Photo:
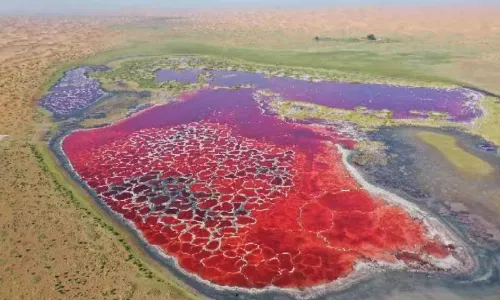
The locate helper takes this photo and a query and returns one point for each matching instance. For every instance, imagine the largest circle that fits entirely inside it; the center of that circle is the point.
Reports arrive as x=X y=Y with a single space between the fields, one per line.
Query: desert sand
x=50 y=249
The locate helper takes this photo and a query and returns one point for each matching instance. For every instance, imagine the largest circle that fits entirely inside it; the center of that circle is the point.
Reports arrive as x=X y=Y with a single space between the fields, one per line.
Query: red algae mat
x=244 y=199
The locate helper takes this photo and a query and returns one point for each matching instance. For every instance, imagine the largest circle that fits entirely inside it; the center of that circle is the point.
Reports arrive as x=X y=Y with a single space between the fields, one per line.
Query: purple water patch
x=234 y=78
x=459 y=104
x=184 y=76
x=74 y=92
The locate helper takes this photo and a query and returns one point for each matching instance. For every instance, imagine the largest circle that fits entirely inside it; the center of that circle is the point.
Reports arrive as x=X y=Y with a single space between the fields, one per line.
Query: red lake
x=242 y=198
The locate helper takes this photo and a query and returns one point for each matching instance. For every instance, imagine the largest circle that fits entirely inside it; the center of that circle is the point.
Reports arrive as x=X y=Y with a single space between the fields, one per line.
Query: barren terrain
x=51 y=248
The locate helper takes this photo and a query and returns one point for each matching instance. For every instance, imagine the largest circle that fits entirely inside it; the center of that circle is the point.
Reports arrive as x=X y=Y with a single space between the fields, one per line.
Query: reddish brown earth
x=244 y=199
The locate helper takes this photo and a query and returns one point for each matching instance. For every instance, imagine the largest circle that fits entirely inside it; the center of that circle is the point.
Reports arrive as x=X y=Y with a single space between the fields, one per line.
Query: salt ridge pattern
x=244 y=199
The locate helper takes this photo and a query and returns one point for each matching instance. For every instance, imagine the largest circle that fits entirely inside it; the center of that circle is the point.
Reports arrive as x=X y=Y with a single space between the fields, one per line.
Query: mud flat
x=467 y=202
x=421 y=171
x=464 y=264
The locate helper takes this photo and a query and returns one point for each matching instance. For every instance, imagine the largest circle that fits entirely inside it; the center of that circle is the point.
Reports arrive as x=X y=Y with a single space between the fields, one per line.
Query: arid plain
x=49 y=248
x=56 y=245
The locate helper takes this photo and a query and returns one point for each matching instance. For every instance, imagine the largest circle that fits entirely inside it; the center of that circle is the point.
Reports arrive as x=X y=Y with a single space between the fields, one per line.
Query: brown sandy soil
x=48 y=248
x=439 y=25
x=30 y=49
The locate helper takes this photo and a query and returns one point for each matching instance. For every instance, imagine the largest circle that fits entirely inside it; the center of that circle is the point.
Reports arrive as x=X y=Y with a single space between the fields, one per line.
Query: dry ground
x=438 y=25
x=49 y=249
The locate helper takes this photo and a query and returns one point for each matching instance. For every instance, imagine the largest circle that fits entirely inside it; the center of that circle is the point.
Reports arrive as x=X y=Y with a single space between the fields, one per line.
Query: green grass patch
x=488 y=126
x=395 y=65
x=366 y=120
x=458 y=157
